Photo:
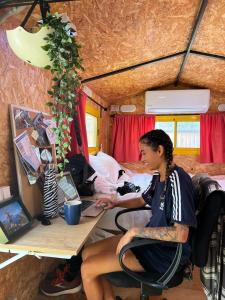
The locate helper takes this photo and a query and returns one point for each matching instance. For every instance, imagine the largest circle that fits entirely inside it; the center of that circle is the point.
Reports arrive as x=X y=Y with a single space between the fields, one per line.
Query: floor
x=188 y=290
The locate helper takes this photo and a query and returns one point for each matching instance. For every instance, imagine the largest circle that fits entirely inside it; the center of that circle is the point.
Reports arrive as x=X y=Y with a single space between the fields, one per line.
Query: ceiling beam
x=198 y=20
x=133 y=67
x=35 y=2
x=93 y=100
x=208 y=55
x=13 y=3
x=191 y=52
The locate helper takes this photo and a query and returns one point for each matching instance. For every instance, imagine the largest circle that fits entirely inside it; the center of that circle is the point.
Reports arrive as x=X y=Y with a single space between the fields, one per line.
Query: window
x=184 y=132
x=92 y=127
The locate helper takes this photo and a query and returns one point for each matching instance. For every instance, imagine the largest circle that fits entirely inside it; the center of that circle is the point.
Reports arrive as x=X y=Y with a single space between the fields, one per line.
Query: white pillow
x=106 y=166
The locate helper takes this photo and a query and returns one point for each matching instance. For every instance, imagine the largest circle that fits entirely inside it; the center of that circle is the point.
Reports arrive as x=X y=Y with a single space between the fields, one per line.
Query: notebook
x=67 y=191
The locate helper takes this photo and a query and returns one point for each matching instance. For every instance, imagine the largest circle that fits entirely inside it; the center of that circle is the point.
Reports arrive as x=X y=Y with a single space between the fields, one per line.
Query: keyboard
x=89 y=209
x=85 y=204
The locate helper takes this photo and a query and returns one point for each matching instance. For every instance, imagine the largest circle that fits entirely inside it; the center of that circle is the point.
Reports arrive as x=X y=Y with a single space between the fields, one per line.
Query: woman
x=171 y=200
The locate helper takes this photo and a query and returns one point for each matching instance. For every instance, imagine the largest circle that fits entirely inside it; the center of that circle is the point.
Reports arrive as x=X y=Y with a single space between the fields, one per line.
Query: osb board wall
x=117 y=34
x=20 y=280
x=132 y=82
x=25 y=85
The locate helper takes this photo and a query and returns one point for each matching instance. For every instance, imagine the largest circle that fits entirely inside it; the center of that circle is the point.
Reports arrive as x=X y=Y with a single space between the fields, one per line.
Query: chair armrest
x=127 y=210
x=162 y=281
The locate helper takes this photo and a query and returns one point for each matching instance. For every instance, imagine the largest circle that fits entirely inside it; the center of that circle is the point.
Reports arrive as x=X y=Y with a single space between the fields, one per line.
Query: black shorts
x=153 y=258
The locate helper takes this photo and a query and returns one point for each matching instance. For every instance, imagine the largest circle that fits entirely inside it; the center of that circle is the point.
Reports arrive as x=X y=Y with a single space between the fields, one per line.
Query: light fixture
x=27 y=46
x=221 y=107
x=128 y=108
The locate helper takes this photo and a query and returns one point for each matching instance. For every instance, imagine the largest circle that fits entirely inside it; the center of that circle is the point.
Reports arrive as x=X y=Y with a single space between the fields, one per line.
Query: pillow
x=104 y=186
x=106 y=166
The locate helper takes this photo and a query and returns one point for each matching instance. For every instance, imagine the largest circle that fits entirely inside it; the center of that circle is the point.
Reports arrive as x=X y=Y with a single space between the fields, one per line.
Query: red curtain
x=212 y=138
x=126 y=133
x=81 y=110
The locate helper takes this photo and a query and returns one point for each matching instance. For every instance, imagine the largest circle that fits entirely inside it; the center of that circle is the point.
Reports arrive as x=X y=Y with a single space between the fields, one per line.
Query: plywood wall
x=25 y=85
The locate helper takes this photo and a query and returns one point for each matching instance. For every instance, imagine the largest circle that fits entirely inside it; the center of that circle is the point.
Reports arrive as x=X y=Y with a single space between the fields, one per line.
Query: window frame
x=93 y=111
x=180 y=118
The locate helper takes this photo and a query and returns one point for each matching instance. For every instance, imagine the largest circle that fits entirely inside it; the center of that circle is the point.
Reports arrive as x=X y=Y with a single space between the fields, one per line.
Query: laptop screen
x=66 y=188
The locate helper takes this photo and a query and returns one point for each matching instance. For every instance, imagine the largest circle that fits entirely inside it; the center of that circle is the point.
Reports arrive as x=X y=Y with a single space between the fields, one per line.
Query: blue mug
x=72 y=212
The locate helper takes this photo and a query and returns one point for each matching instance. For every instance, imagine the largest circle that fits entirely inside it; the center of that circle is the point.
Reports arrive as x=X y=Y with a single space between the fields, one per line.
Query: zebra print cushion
x=50 y=199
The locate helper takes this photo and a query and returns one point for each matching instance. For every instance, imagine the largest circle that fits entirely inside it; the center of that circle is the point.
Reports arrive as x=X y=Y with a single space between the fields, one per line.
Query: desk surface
x=56 y=240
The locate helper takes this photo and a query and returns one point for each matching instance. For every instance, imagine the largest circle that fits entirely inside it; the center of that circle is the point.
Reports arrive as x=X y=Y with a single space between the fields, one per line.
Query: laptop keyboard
x=85 y=204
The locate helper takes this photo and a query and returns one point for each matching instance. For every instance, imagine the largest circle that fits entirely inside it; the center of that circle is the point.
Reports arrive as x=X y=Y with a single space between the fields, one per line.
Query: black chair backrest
x=211 y=199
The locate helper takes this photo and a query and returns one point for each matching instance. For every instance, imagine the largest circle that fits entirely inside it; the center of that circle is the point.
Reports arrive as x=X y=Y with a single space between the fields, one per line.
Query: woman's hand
x=107 y=203
x=125 y=239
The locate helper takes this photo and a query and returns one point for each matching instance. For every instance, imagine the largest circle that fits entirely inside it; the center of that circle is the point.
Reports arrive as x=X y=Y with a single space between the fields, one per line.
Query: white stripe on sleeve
x=176 y=196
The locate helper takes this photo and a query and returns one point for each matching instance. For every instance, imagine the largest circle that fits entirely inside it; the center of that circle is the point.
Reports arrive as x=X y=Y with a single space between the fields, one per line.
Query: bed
x=106 y=184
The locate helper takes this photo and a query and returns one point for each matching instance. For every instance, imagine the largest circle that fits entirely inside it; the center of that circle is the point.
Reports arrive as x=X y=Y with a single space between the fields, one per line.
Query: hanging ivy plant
x=62 y=48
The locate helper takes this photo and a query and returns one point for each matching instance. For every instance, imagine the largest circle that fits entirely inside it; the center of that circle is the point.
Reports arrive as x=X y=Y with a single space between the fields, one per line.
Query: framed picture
x=14 y=219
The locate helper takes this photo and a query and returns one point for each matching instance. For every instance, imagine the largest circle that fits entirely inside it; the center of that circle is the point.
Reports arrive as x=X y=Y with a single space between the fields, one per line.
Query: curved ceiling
x=124 y=43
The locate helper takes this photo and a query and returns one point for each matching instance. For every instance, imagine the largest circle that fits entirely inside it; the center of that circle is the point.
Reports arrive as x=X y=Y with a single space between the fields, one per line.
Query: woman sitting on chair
x=173 y=212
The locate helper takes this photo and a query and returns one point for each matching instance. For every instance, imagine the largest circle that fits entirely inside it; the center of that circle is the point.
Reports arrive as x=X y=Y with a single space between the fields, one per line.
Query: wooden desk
x=56 y=240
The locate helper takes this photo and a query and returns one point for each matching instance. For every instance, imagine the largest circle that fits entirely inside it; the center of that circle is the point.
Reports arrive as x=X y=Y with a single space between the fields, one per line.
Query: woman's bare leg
x=100 y=246
x=97 y=248
x=103 y=262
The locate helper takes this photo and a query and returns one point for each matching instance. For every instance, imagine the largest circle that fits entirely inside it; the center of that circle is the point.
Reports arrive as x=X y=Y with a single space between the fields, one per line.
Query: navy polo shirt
x=177 y=207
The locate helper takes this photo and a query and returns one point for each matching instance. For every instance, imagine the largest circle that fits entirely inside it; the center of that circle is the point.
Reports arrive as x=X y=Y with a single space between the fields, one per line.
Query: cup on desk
x=72 y=211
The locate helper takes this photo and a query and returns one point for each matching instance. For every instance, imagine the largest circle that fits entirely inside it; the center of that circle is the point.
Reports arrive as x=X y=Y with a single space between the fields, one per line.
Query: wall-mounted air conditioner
x=177 y=101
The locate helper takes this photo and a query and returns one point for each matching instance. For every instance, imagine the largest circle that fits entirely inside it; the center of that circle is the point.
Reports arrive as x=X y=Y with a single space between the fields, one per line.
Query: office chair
x=210 y=203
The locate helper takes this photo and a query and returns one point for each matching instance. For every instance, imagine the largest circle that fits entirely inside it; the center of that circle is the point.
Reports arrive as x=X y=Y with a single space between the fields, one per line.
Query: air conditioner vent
x=177 y=101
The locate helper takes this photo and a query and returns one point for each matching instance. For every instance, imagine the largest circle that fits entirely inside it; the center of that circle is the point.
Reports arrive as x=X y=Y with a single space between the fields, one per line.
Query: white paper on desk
x=26 y=150
x=49 y=130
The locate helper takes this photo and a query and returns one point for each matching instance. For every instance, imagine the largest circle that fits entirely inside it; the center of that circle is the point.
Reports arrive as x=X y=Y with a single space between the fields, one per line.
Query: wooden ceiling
x=119 y=34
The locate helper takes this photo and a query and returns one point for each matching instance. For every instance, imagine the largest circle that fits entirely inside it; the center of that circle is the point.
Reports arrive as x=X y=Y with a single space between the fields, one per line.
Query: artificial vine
x=62 y=49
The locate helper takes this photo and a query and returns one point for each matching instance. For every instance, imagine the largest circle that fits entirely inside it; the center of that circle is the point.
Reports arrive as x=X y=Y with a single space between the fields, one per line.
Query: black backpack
x=81 y=171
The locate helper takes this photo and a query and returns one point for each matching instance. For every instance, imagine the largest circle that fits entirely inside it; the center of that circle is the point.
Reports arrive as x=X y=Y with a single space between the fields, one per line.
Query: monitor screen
x=66 y=188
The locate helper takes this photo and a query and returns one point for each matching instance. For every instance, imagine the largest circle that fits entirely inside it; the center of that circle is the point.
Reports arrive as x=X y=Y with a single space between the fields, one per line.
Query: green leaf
x=65 y=145
x=60 y=165
x=47 y=67
x=45 y=47
x=49 y=104
x=65 y=62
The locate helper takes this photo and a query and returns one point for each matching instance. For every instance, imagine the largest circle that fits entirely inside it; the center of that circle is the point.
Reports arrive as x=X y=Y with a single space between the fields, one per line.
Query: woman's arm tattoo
x=172 y=233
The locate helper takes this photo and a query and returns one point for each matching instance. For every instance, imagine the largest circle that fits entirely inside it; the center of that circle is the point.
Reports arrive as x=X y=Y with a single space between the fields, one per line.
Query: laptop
x=67 y=191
